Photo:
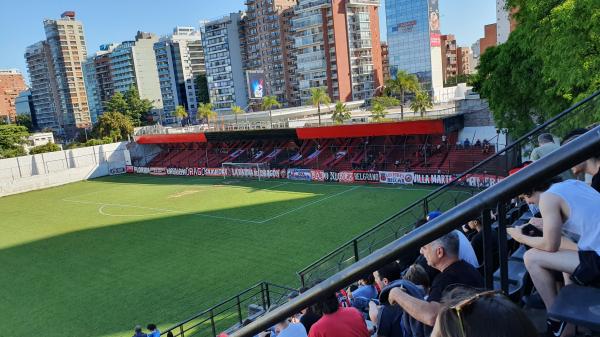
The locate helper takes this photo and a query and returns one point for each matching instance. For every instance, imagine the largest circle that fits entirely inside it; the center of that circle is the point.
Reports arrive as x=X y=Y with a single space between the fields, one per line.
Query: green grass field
x=97 y=257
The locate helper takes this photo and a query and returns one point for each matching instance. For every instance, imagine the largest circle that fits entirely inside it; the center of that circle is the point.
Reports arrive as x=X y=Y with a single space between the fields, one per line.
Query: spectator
x=486 y=314
x=547 y=145
x=287 y=329
x=309 y=315
x=478 y=143
x=569 y=207
x=466 y=143
x=590 y=166
x=477 y=242
x=170 y=334
x=486 y=146
x=154 y=332
x=366 y=288
x=338 y=321
x=138 y=332
x=445 y=140
x=441 y=254
x=417 y=275
x=466 y=252
x=387 y=318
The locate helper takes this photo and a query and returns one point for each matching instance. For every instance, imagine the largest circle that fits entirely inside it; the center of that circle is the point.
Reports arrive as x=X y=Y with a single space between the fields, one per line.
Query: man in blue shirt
x=138 y=332
x=154 y=332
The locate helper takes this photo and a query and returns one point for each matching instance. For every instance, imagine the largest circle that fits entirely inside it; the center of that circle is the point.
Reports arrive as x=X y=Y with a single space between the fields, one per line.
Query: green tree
x=139 y=109
x=549 y=62
x=319 y=96
x=25 y=120
x=402 y=84
x=114 y=125
x=202 y=89
x=49 y=147
x=340 y=113
x=117 y=103
x=205 y=111
x=455 y=80
x=378 y=112
x=268 y=103
x=12 y=138
x=180 y=113
x=421 y=102
x=236 y=110
x=386 y=101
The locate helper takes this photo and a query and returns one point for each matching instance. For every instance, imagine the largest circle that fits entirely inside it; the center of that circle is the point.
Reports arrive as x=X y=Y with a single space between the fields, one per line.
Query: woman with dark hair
x=485 y=314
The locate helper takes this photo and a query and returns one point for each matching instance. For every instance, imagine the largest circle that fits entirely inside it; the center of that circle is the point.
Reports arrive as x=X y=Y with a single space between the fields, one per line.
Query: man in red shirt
x=338 y=322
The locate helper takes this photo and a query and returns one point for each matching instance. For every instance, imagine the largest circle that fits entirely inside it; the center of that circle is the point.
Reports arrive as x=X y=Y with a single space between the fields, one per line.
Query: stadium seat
x=578 y=305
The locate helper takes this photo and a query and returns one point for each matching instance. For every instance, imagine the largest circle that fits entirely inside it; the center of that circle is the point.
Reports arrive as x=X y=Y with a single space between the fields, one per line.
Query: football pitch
x=97 y=257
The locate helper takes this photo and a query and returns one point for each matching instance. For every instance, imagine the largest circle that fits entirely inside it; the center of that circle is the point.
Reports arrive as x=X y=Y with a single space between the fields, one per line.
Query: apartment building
x=11 y=85
x=449 y=57
x=98 y=80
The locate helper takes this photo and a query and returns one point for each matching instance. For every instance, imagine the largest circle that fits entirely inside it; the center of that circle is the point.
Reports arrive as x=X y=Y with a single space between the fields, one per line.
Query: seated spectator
x=309 y=315
x=569 y=207
x=386 y=318
x=590 y=166
x=417 y=275
x=441 y=254
x=547 y=145
x=138 y=332
x=477 y=242
x=467 y=143
x=486 y=146
x=486 y=314
x=338 y=321
x=366 y=288
x=478 y=143
x=287 y=329
x=466 y=252
x=154 y=332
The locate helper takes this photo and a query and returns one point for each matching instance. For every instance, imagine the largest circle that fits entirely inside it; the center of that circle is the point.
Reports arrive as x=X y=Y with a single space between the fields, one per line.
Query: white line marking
x=272 y=187
x=184 y=212
x=309 y=204
x=101 y=211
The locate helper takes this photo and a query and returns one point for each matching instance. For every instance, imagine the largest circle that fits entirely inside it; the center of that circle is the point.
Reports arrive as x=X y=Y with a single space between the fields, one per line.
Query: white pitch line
x=163 y=210
x=101 y=211
x=272 y=187
x=309 y=204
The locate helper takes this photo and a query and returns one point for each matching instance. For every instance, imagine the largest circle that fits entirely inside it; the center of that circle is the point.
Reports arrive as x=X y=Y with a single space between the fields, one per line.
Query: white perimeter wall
x=44 y=170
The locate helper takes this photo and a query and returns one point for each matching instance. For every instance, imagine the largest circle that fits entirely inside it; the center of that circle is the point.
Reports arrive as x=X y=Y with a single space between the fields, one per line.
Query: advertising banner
x=346 y=177
x=116 y=170
x=433 y=179
x=299 y=174
x=434 y=23
x=366 y=176
x=158 y=171
x=172 y=171
x=256 y=84
x=317 y=175
x=141 y=170
x=331 y=176
x=128 y=168
x=480 y=180
x=214 y=172
x=402 y=178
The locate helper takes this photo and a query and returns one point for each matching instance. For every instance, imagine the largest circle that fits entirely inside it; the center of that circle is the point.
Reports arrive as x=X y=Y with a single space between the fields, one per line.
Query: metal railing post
x=355 y=246
x=181 y=333
x=212 y=324
x=239 y=307
x=488 y=268
x=502 y=246
x=268 y=295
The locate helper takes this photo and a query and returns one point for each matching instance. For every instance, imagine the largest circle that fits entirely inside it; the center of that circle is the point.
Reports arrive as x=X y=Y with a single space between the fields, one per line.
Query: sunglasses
x=460 y=306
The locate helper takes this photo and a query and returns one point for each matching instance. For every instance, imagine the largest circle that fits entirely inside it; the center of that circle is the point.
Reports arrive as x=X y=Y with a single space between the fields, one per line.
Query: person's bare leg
x=540 y=265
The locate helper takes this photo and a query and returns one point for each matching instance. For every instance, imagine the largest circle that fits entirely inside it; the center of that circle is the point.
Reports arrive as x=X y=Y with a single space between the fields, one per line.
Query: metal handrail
x=262 y=286
x=556 y=162
x=434 y=193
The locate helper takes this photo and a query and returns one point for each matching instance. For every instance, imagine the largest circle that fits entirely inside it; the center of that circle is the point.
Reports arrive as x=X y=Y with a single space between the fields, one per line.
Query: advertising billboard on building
x=434 y=23
x=257 y=84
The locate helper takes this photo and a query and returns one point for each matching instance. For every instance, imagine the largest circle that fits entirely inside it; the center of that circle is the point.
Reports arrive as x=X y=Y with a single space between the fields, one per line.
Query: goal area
x=245 y=170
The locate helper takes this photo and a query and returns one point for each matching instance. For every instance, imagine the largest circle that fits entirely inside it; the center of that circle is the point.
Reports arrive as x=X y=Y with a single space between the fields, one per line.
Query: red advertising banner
x=158 y=171
x=346 y=177
x=317 y=175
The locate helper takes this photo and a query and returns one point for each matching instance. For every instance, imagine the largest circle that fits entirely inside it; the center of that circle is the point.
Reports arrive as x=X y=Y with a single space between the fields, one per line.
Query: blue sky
x=115 y=21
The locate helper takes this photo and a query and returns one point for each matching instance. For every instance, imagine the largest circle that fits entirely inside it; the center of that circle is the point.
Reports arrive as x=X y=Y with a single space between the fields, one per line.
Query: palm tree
x=236 y=110
x=180 y=113
x=340 y=113
x=378 y=111
x=421 y=102
x=319 y=96
x=268 y=103
x=403 y=83
x=205 y=110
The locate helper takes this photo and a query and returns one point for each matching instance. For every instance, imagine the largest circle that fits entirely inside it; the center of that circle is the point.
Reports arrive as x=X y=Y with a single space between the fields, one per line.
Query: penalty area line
x=309 y=204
